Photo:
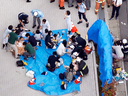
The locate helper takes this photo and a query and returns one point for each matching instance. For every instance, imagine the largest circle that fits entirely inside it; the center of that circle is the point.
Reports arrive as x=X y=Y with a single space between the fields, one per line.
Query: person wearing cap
x=82 y=11
x=82 y=67
x=125 y=47
x=37 y=14
x=23 y=18
x=81 y=53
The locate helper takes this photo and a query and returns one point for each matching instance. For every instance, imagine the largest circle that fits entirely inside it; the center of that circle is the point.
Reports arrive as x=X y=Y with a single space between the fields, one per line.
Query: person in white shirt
x=44 y=25
x=5 y=40
x=118 y=52
x=61 y=50
x=116 y=7
x=82 y=11
x=68 y=21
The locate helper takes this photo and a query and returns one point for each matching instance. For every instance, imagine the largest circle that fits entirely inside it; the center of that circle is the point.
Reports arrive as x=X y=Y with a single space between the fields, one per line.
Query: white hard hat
x=75 y=54
x=124 y=41
x=78 y=59
x=35 y=13
x=72 y=47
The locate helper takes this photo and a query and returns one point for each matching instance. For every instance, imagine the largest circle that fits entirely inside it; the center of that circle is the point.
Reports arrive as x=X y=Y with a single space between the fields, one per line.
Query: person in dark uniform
x=82 y=68
x=48 y=41
x=80 y=41
x=51 y=62
x=23 y=18
x=31 y=40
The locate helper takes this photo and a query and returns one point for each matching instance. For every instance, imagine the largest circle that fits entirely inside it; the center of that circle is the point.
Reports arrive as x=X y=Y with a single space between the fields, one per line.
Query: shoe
x=102 y=8
x=26 y=59
x=33 y=57
x=76 y=7
x=70 y=6
x=108 y=6
x=87 y=24
x=110 y=18
x=38 y=27
x=44 y=73
x=79 y=22
x=62 y=8
x=28 y=1
x=17 y=57
x=34 y=26
x=52 y=1
x=59 y=5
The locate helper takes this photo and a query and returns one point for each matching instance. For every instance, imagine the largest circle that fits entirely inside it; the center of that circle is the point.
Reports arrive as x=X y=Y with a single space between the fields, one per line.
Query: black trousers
x=115 y=9
x=84 y=16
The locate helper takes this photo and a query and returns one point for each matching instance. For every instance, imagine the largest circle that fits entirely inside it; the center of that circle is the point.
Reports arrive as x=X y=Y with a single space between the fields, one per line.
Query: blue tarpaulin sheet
x=50 y=83
x=100 y=34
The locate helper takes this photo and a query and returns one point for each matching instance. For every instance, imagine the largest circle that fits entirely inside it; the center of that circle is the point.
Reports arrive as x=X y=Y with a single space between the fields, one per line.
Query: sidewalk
x=114 y=27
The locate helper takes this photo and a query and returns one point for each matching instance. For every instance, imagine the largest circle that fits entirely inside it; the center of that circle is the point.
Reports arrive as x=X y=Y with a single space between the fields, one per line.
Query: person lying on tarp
x=53 y=62
x=80 y=51
x=82 y=67
x=48 y=41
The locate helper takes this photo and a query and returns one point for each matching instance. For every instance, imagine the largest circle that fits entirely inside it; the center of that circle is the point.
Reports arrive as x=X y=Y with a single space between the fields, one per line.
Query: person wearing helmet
x=125 y=47
x=37 y=14
x=82 y=67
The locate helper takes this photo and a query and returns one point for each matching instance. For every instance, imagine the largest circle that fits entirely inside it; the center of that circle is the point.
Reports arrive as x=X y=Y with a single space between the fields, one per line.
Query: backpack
x=19 y=63
x=69 y=75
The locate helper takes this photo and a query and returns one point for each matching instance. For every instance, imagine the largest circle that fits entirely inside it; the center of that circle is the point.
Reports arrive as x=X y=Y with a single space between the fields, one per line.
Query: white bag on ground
x=30 y=74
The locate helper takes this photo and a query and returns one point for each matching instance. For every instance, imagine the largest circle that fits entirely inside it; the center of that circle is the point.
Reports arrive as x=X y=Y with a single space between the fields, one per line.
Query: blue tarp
x=100 y=34
x=50 y=83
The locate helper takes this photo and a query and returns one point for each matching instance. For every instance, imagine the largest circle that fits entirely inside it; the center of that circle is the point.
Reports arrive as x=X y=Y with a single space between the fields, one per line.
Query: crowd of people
x=20 y=41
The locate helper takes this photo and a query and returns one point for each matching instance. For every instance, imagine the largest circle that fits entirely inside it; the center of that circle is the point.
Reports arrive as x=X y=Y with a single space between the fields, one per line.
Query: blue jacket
x=40 y=14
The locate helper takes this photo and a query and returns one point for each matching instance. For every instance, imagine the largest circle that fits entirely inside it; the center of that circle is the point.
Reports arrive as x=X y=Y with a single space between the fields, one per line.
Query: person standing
x=109 y=3
x=5 y=40
x=23 y=18
x=98 y=2
x=82 y=11
x=116 y=7
x=70 y=3
x=37 y=14
x=12 y=42
x=61 y=4
x=68 y=21
x=44 y=25
x=88 y=4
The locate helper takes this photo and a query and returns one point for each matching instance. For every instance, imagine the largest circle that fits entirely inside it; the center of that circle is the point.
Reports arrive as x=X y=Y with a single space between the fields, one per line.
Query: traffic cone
x=74 y=29
x=32 y=82
x=77 y=80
